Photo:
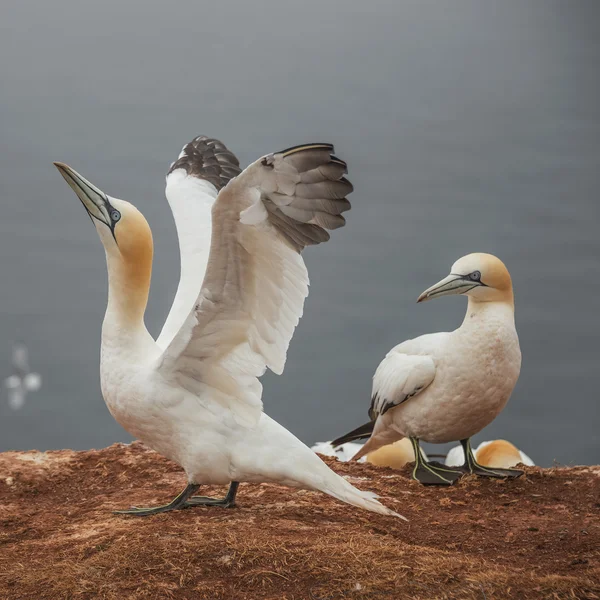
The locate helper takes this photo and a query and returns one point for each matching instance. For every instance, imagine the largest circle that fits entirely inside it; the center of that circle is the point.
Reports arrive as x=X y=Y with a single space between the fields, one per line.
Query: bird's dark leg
x=227 y=502
x=431 y=473
x=473 y=467
x=176 y=504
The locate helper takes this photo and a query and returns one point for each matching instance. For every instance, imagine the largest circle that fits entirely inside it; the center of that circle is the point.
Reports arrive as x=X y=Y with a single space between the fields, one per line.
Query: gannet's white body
x=466 y=376
x=195 y=396
x=448 y=386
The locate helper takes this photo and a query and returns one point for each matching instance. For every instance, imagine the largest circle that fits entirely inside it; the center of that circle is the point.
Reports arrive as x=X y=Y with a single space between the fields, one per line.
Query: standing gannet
x=196 y=398
x=444 y=387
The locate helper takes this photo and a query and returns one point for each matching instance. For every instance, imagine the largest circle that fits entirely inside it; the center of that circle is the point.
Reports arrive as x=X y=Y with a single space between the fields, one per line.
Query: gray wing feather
x=256 y=282
x=304 y=212
x=332 y=171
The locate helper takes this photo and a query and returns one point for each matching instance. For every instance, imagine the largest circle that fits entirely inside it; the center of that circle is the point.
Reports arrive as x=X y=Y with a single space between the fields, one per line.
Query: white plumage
x=191 y=201
x=399 y=376
x=447 y=386
x=460 y=380
x=195 y=396
x=343 y=452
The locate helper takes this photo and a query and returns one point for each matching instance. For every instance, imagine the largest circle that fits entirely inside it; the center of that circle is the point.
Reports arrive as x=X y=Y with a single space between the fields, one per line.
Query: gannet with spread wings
x=195 y=396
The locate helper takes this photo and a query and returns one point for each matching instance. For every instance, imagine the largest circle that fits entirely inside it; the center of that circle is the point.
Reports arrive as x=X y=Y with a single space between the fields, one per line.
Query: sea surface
x=467 y=126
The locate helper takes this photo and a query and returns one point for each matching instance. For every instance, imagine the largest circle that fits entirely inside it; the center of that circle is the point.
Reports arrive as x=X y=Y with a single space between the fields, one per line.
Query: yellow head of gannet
x=499 y=453
x=394 y=455
x=444 y=387
x=196 y=397
x=482 y=277
x=127 y=240
x=494 y=453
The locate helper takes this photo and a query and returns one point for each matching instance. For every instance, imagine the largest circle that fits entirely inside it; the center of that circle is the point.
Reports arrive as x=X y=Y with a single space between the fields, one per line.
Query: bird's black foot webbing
x=473 y=467
x=178 y=503
x=431 y=473
x=227 y=502
x=185 y=500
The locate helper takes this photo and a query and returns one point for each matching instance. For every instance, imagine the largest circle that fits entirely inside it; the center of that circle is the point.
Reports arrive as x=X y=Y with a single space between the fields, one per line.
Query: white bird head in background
x=482 y=277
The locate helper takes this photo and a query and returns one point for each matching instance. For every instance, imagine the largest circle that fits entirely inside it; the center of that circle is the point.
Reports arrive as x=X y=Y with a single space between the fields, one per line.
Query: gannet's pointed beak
x=95 y=200
x=453 y=284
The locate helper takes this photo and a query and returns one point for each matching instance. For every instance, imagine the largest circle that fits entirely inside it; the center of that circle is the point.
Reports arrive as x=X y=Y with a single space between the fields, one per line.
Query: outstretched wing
x=256 y=282
x=398 y=378
x=203 y=168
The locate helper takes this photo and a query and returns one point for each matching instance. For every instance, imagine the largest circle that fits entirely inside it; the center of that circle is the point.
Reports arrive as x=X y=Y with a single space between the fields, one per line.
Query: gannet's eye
x=475 y=275
x=115 y=215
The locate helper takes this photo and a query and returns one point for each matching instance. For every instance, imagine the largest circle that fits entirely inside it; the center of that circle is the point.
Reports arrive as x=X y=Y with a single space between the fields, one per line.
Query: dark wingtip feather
x=339 y=161
x=306 y=147
x=318 y=198
x=209 y=159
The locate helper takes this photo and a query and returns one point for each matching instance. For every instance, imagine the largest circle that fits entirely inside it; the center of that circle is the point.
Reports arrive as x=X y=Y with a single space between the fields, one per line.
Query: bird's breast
x=475 y=376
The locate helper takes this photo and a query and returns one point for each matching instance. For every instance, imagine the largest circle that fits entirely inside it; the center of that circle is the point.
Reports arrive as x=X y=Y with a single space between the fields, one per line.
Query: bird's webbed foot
x=178 y=503
x=471 y=466
x=432 y=473
x=227 y=502
x=482 y=471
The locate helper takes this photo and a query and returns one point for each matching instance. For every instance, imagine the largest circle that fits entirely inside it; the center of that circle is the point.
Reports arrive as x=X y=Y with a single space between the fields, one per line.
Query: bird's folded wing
x=203 y=167
x=255 y=285
x=399 y=377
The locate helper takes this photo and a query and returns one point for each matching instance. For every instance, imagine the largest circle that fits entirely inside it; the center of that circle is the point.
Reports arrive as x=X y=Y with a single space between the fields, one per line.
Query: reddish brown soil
x=536 y=537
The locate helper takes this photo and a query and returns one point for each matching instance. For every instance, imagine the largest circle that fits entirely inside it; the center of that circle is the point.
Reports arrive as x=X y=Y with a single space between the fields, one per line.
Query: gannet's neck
x=128 y=288
x=503 y=308
x=129 y=264
x=123 y=329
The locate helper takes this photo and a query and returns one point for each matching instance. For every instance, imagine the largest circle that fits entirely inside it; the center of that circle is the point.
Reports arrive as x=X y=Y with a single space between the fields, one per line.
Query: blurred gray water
x=467 y=125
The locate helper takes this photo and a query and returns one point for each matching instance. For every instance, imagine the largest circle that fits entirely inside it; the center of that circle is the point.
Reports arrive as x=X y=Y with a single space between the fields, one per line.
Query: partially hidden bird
x=493 y=453
x=447 y=386
x=394 y=456
x=194 y=395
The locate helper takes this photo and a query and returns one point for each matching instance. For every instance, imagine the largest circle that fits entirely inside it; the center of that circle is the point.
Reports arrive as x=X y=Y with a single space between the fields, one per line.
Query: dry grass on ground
x=536 y=537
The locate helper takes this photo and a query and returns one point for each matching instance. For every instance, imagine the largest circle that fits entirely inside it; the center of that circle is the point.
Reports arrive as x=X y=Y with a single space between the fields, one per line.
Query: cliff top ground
x=535 y=537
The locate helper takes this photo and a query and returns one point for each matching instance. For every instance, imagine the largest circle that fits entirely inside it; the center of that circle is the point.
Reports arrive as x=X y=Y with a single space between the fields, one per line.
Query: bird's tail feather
x=296 y=465
x=346 y=492
x=364 y=431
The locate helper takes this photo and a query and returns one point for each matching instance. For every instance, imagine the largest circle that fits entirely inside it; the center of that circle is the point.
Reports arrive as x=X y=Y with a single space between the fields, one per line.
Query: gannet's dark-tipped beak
x=95 y=200
x=451 y=285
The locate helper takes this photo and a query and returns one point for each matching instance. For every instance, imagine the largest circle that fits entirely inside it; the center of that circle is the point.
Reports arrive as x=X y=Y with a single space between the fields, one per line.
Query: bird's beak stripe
x=453 y=284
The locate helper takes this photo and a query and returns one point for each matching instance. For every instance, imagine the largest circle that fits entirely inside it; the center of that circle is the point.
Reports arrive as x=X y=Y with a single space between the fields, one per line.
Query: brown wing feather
x=209 y=159
x=303 y=214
